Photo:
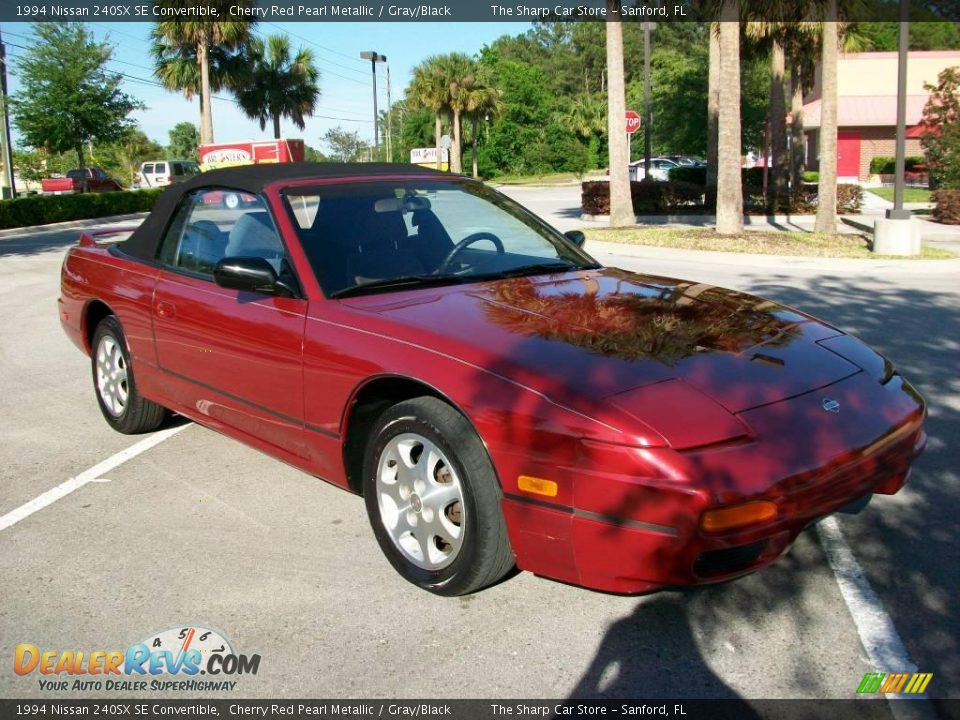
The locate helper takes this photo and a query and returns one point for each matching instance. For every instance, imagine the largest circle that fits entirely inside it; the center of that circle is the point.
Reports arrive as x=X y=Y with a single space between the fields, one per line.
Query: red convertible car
x=497 y=397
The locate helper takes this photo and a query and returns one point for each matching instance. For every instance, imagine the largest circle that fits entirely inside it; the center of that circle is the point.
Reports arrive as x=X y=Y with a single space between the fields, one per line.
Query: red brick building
x=867 y=107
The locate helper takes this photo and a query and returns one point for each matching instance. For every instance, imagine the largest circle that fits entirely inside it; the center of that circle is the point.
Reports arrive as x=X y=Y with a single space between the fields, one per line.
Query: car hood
x=584 y=336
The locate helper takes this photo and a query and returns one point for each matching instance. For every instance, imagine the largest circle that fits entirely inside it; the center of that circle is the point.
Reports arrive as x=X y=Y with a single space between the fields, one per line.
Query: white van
x=161 y=173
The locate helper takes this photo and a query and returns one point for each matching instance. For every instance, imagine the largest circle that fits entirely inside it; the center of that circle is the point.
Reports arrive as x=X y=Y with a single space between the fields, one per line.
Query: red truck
x=80 y=180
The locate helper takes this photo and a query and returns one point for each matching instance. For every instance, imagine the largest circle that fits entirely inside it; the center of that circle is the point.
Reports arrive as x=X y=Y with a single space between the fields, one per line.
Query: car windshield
x=376 y=236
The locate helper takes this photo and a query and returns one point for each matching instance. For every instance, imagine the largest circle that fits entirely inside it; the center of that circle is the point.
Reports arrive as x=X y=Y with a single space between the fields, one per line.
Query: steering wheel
x=467 y=242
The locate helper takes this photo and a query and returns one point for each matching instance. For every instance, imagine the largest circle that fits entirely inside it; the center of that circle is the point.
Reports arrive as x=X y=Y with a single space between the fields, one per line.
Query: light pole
x=897 y=212
x=7 y=158
x=374 y=58
x=648 y=27
x=389 y=118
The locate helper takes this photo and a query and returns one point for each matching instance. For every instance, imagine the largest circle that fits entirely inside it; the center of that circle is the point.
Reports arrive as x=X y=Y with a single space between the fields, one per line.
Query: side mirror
x=576 y=237
x=250 y=274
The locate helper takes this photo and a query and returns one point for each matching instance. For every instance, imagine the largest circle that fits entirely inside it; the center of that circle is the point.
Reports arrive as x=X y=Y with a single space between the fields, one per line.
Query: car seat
x=253 y=236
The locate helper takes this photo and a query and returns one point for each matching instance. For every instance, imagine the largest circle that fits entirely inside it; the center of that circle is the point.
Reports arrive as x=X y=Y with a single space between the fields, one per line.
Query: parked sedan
x=659 y=169
x=496 y=396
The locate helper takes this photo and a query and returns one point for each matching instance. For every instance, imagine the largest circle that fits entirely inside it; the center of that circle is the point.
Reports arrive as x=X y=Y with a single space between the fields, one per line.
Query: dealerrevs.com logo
x=170 y=660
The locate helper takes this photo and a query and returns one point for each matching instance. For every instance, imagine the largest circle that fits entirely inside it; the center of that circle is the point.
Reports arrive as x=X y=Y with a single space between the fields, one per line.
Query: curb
x=747 y=260
x=704 y=220
x=69 y=225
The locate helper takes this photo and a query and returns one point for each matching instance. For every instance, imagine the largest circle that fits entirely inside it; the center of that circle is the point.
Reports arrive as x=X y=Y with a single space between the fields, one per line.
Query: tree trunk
x=456 y=161
x=621 y=204
x=476 y=174
x=797 y=140
x=827 y=191
x=780 y=167
x=437 y=131
x=713 y=110
x=276 y=126
x=729 y=177
x=79 y=149
x=206 y=112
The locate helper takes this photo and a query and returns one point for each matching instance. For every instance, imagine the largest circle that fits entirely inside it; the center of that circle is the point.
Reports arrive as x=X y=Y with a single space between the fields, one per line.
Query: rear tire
x=113 y=382
x=433 y=499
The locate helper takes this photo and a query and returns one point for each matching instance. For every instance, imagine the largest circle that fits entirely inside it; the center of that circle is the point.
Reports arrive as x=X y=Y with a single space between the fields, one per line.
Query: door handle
x=166 y=310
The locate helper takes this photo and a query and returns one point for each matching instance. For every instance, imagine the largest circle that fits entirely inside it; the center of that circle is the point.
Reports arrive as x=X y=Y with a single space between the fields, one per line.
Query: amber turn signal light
x=538 y=486
x=736 y=516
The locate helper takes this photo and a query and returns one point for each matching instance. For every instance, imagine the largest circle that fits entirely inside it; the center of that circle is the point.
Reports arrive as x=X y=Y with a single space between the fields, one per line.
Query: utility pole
x=7 y=180
x=374 y=58
x=389 y=119
x=648 y=27
x=897 y=212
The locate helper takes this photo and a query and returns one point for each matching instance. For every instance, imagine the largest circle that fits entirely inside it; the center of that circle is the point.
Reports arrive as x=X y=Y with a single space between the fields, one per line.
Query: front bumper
x=626 y=534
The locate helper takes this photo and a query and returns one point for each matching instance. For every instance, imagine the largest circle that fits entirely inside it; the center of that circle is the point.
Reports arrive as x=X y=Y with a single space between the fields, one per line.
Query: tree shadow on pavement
x=679 y=644
x=908 y=545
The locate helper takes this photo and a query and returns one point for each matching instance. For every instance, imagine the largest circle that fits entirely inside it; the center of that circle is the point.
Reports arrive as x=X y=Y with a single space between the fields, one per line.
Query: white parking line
x=92 y=475
x=877 y=632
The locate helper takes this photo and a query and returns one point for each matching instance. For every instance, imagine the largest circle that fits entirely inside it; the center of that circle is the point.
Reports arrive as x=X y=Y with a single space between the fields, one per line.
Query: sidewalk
x=133 y=219
x=600 y=250
x=874 y=207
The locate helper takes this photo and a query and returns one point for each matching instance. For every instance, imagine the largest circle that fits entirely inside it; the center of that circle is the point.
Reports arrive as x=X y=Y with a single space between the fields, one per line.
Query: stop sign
x=633 y=122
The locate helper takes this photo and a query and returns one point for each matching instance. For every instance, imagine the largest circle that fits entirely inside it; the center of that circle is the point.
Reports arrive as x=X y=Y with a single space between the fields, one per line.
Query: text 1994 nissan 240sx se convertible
x=496 y=396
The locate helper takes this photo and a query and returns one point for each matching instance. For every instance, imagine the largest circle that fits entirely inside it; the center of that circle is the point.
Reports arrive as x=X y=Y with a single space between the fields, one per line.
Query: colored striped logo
x=895 y=683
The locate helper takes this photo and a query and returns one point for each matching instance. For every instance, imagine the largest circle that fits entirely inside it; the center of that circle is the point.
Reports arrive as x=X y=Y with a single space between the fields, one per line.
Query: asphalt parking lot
x=202 y=530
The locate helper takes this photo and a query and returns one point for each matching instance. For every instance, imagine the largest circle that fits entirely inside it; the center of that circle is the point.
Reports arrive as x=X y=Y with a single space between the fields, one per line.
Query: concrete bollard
x=896 y=237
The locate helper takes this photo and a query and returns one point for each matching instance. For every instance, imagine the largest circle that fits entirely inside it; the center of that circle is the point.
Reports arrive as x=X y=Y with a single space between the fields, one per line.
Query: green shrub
x=649 y=197
x=691 y=175
x=811 y=176
x=46 y=209
x=947 y=208
x=882 y=165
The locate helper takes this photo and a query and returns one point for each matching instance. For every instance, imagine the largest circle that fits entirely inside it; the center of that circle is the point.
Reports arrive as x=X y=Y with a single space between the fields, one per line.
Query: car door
x=233 y=356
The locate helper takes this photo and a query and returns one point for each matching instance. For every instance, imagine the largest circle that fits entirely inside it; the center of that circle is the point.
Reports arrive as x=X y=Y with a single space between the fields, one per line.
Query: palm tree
x=827 y=193
x=280 y=85
x=176 y=67
x=729 y=181
x=459 y=73
x=713 y=114
x=428 y=90
x=621 y=203
x=203 y=36
x=802 y=47
x=483 y=100
x=772 y=33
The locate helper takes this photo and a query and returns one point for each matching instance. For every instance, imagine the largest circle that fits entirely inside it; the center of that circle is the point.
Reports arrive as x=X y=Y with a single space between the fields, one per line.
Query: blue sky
x=346 y=92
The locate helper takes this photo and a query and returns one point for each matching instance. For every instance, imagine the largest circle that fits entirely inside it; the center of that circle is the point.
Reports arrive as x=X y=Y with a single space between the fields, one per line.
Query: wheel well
x=369 y=403
x=95 y=311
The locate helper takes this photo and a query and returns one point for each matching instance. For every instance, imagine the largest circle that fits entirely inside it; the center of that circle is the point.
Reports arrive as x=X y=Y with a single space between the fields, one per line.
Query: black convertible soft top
x=143 y=242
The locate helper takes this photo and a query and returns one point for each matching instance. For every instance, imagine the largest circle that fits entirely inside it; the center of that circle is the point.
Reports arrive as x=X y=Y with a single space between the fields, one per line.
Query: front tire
x=122 y=406
x=433 y=499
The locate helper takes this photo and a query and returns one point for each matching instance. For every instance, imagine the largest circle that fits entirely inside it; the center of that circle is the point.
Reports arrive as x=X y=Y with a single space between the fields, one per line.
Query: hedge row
x=947 y=208
x=881 y=165
x=667 y=197
x=46 y=209
x=650 y=197
x=752 y=177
